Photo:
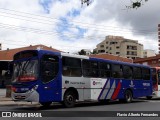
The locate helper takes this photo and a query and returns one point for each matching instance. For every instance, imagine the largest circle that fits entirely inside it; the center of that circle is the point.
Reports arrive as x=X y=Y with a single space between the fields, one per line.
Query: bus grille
x=19 y=97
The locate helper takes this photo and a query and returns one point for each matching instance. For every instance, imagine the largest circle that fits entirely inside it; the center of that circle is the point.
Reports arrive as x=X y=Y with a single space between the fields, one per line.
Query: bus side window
x=137 y=73
x=117 y=71
x=154 y=76
x=90 y=68
x=49 y=67
x=71 y=67
x=104 y=69
x=127 y=72
x=146 y=74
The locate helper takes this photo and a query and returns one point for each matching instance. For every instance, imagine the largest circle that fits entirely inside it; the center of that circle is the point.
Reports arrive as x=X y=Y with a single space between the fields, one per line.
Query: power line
x=133 y=30
x=40 y=31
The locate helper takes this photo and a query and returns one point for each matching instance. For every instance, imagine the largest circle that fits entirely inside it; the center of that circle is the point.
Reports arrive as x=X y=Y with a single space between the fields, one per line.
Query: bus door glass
x=49 y=76
x=154 y=79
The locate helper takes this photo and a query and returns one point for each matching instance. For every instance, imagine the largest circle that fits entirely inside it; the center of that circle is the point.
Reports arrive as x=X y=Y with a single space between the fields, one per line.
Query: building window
x=132 y=53
x=101 y=46
x=106 y=47
x=101 y=51
x=117 y=52
x=129 y=47
x=154 y=62
x=106 y=42
x=117 y=47
x=111 y=43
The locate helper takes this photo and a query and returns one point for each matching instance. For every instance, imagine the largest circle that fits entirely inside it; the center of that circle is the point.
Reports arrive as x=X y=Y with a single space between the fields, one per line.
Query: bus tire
x=149 y=97
x=128 y=96
x=69 y=99
x=45 y=104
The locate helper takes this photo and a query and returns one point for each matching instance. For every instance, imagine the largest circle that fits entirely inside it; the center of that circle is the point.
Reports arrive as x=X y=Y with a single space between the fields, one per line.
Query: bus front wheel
x=128 y=96
x=69 y=99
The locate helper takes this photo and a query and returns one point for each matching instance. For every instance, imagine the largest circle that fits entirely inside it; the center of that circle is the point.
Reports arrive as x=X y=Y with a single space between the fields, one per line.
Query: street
x=88 y=108
x=84 y=109
x=136 y=105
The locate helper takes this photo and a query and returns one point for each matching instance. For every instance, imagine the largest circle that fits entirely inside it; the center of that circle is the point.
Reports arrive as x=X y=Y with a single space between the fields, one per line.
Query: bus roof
x=87 y=57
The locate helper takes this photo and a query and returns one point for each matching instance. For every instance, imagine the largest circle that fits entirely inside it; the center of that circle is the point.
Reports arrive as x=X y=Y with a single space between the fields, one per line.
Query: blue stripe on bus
x=103 y=89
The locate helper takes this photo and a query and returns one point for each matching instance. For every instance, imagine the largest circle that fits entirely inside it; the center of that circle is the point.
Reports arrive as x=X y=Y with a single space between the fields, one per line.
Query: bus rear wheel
x=69 y=99
x=149 y=97
x=128 y=96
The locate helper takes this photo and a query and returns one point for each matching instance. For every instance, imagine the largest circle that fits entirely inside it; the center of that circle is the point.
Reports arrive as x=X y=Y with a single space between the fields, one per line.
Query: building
x=153 y=61
x=148 y=53
x=118 y=45
x=111 y=57
x=0 y=46
x=159 y=37
x=6 y=56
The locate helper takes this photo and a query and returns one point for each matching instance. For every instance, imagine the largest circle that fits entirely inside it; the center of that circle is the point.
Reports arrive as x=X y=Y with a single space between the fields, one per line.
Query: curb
x=4 y=101
x=12 y=103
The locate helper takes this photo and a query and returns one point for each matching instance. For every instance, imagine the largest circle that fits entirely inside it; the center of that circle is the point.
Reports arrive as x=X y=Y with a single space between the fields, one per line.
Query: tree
x=82 y=52
x=136 y=4
x=88 y=2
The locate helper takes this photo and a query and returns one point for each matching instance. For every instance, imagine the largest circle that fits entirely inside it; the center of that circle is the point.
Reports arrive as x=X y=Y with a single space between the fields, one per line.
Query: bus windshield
x=25 y=71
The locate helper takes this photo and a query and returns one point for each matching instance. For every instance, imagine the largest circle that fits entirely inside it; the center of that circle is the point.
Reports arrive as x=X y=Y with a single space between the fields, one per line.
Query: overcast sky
x=70 y=27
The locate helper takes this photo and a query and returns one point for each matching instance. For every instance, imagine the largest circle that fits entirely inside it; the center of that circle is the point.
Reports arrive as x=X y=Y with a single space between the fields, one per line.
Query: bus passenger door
x=50 y=90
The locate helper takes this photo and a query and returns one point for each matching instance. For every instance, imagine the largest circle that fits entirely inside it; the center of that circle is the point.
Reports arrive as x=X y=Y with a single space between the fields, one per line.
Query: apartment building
x=159 y=37
x=0 y=46
x=148 y=53
x=118 y=45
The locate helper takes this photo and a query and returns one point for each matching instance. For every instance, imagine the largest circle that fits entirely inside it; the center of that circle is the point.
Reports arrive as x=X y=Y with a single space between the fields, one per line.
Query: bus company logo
x=146 y=84
x=131 y=85
x=97 y=83
x=66 y=82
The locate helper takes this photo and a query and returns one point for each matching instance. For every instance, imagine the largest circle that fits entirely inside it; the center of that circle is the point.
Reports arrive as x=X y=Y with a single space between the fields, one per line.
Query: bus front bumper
x=30 y=96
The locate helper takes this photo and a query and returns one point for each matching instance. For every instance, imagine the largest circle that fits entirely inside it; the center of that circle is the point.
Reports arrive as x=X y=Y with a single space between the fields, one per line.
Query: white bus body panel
x=88 y=88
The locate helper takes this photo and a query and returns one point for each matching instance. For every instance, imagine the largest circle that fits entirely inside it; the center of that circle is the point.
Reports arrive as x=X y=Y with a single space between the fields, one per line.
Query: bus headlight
x=34 y=88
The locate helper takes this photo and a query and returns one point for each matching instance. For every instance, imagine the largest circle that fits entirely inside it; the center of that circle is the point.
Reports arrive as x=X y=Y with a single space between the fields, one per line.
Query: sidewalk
x=6 y=101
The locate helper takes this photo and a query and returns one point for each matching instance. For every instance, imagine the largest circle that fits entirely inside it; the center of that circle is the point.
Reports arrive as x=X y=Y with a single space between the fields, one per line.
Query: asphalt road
x=92 y=109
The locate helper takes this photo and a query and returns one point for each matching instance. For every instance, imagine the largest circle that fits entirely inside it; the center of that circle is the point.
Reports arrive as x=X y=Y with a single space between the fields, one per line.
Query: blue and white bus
x=45 y=77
